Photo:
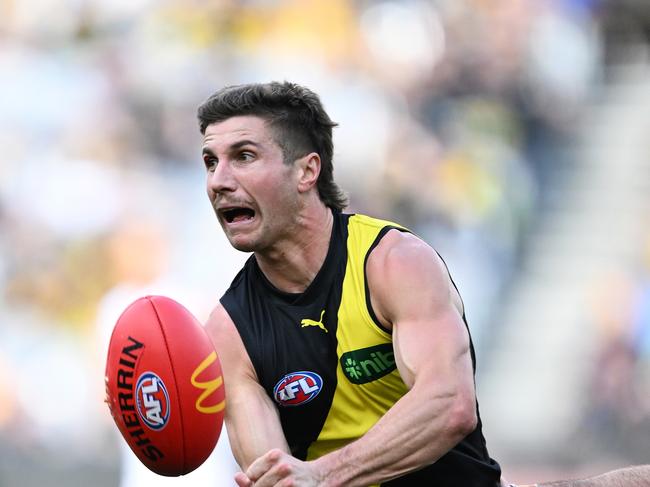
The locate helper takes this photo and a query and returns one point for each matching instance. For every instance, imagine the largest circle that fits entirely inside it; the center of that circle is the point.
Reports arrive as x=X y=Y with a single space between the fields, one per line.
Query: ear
x=308 y=171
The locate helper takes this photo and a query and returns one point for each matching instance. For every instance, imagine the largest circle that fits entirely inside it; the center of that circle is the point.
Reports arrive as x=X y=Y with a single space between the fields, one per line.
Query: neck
x=292 y=264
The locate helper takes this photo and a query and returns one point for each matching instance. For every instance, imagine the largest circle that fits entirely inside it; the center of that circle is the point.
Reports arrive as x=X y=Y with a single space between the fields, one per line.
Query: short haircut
x=297 y=118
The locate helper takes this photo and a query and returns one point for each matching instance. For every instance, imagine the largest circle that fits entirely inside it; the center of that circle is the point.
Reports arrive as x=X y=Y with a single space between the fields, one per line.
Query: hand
x=279 y=469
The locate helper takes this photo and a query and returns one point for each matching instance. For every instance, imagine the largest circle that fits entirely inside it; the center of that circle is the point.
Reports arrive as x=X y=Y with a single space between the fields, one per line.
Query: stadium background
x=511 y=134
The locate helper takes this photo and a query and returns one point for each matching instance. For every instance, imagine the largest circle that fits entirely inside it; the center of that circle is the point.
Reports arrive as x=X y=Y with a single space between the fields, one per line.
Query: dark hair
x=297 y=118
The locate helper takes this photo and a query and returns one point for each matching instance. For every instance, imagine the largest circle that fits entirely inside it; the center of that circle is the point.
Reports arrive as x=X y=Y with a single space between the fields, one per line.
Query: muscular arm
x=625 y=477
x=251 y=418
x=411 y=292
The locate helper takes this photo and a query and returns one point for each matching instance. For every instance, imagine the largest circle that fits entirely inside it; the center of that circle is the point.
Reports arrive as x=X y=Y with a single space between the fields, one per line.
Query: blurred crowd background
x=512 y=135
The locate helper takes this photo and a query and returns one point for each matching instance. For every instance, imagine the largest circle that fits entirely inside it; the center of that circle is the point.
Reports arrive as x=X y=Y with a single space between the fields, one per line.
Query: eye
x=210 y=162
x=246 y=156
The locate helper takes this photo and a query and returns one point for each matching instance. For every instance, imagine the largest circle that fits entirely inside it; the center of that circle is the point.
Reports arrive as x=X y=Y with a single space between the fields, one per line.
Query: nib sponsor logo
x=368 y=364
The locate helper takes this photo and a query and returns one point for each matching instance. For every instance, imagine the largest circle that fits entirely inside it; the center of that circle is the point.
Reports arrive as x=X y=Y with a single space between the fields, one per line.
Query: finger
x=275 y=475
x=262 y=465
x=242 y=480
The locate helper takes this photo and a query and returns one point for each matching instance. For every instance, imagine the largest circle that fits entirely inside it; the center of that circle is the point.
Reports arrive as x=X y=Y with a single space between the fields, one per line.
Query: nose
x=221 y=180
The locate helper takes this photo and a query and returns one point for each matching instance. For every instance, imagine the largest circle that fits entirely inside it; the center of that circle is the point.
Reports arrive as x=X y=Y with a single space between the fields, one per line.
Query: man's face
x=254 y=193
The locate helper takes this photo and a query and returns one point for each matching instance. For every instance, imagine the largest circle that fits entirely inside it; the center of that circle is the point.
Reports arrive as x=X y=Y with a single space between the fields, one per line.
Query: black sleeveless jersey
x=328 y=364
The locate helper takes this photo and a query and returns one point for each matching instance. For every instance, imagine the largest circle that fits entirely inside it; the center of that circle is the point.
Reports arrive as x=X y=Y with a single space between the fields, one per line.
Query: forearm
x=253 y=429
x=416 y=431
x=626 y=477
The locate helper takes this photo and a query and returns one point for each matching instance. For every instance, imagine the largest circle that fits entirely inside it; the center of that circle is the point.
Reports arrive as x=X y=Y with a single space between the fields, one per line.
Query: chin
x=243 y=247
x=242 y=244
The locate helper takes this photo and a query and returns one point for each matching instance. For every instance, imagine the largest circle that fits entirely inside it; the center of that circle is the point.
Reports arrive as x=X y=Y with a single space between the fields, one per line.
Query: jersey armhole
x=369 y=307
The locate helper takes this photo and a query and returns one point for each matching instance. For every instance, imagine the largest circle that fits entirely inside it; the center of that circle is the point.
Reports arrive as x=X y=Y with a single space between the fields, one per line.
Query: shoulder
x=399 y=253
x=403 y=268
x=228 y=343
x=220 y=326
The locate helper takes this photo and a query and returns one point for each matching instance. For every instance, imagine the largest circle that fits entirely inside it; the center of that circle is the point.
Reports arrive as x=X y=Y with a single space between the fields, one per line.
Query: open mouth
x=236 y=215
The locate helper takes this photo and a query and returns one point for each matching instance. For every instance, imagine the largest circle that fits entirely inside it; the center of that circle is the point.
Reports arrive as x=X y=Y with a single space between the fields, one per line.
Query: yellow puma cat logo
x=319 y=324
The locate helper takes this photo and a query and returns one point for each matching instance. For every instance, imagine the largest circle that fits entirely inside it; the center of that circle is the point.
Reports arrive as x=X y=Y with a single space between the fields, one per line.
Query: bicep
x=251 y=417
x=435 y=352
x=412 y=293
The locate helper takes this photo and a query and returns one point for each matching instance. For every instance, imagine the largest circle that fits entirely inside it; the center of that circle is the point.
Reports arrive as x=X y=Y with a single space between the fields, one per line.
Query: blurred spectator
x=617 y=410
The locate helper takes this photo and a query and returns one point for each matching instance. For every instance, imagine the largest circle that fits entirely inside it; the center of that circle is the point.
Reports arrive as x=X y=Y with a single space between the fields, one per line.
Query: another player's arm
x=251 y=418
x=411 y=292
x=638 y=476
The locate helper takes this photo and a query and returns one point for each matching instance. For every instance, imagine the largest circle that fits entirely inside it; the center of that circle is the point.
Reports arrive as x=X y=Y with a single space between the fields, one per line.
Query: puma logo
x=319 y=324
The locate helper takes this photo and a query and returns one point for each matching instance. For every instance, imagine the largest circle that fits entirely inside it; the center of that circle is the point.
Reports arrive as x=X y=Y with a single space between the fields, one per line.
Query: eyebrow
x=233 y=147
x=242 y=143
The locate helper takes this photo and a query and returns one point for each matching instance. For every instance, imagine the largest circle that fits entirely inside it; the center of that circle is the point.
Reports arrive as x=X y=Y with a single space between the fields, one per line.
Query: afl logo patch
x=152 y=401
x=297 y=388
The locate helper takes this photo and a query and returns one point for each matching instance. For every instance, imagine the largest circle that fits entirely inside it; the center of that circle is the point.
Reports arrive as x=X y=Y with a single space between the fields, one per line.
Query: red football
x=164 y=385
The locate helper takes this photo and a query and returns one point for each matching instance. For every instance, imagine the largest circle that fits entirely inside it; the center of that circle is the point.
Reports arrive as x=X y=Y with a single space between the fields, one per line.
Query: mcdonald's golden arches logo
x=208 y=387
